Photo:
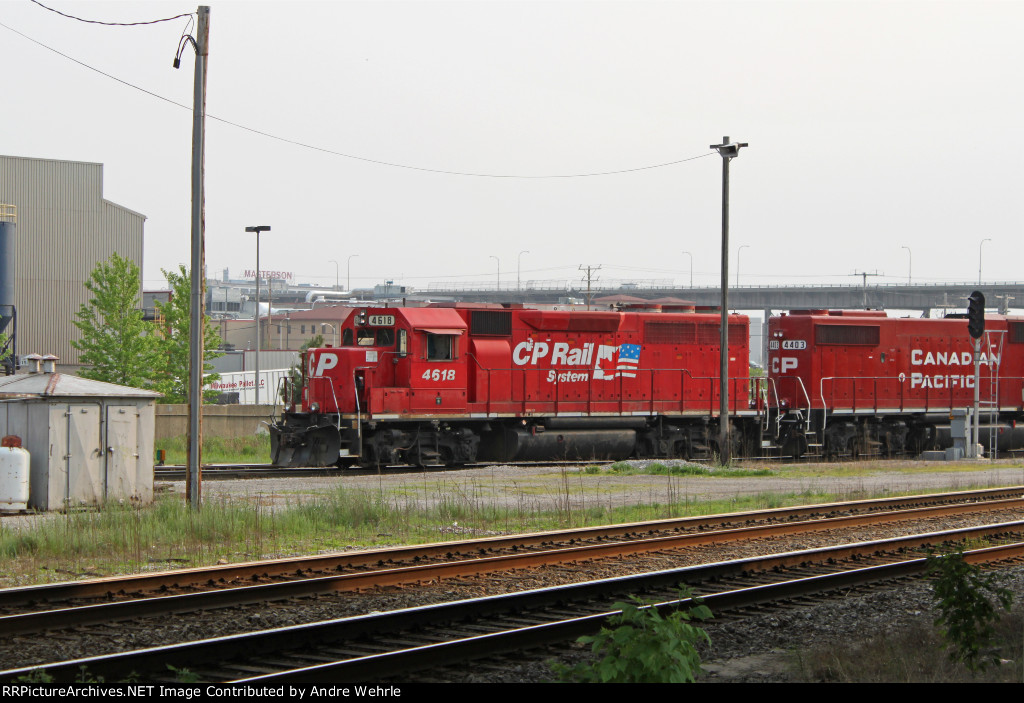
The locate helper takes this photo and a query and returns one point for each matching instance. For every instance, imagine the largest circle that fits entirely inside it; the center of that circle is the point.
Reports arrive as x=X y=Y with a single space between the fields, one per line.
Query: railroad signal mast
x=976 y=328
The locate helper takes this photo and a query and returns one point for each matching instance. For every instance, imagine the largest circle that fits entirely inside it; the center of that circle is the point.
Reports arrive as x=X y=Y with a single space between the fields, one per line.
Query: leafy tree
x=115 y=343
x=644 y=647
x=172 y=344
x=963 y=596
x=293 y=389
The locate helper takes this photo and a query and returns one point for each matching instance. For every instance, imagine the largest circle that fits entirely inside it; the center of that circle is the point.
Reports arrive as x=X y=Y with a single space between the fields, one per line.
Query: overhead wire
x=333 y=152
x=111 y=24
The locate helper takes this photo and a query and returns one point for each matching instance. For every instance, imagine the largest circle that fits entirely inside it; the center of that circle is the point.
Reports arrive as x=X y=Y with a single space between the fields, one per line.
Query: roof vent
x=50 y=363
x=34 y=363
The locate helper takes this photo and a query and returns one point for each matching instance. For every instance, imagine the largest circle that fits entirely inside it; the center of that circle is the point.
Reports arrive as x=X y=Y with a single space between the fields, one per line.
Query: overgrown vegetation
x=681 y=469
x=966 y=599
x=246 y=449
x=641 y=645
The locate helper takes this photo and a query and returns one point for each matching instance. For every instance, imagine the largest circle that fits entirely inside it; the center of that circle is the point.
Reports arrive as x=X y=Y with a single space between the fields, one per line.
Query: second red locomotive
x=857 y=382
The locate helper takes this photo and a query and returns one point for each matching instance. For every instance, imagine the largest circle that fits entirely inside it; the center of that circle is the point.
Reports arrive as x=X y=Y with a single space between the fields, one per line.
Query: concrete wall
x=218 y=420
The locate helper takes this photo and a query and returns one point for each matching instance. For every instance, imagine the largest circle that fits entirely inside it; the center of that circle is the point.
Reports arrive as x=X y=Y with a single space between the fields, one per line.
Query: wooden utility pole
x=195 y=379
x=590 y=279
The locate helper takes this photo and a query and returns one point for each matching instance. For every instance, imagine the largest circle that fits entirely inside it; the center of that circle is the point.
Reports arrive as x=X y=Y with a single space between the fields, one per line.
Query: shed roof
x=65 y=385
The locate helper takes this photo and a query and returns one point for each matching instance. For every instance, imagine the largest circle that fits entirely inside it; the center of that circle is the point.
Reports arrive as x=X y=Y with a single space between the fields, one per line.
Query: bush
x=643 y=646
x=963 y=597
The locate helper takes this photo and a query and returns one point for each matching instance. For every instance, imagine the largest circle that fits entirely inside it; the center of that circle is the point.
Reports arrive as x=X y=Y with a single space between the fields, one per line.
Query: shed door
x=122 y=451
x=84 y=458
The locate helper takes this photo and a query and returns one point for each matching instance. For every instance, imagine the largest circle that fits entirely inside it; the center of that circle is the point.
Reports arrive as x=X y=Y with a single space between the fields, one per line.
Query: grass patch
x=249 y=449
x=680 y=469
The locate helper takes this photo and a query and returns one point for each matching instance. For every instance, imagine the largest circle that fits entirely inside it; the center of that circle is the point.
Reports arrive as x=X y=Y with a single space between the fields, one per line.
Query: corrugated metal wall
x=65 y=228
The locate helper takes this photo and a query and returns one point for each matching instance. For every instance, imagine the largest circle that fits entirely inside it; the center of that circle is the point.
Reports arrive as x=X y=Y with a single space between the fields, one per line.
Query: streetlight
x=332 y=261
x=728 y=151
x=979 y=258
x=691 y=267
x=910 y=263
x=499 y=272
x=742 y=247
x=333 y=329
x=519 y=267
x=348 y=272
x=256 y=230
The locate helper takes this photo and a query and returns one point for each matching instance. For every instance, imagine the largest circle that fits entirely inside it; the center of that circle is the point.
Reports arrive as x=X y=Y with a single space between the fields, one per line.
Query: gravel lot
x=547 y=487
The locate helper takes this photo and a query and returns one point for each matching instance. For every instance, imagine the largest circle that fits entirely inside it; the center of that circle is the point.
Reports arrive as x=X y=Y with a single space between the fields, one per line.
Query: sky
x=457 y=142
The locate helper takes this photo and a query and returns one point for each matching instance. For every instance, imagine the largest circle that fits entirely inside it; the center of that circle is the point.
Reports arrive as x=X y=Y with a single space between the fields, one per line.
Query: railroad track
x=392 y=645
x=34 y=609
x=237 y=471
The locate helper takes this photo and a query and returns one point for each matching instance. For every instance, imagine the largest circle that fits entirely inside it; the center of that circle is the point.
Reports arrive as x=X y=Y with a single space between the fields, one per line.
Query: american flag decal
x=629 y=360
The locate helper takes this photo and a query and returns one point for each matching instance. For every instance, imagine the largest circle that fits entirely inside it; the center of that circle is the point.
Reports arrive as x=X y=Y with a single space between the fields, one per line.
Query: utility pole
x=865 y=275
x=590 y=279
x=728 y=151
x=195 y=381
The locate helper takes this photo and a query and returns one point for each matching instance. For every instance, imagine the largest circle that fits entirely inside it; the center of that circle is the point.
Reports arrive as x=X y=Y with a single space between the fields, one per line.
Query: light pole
x=333 y=329
x=499 y=272
x=728 y=151
x=348 y=272
x=519 y=268
x=910 y=263
x=691 y=267
x=742 y=247
x=980 y=246
x=332 y=261
x=256 y=230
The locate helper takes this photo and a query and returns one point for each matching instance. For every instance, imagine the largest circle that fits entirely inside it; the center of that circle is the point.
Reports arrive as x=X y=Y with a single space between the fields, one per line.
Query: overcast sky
x=873 y=126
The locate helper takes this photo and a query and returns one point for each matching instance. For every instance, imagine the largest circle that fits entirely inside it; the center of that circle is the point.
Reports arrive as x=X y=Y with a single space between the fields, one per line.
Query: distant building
x=64 y=228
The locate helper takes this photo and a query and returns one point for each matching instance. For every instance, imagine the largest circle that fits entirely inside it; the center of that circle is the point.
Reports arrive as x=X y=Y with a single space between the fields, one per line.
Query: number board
x=382 y=320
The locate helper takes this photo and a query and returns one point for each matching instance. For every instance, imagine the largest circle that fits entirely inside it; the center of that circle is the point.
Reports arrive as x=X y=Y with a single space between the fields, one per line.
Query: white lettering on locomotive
x=531 y=352
x=325 y=361
x=919 y=357
x=943 y=381
x=783 y=364
x=621 y=360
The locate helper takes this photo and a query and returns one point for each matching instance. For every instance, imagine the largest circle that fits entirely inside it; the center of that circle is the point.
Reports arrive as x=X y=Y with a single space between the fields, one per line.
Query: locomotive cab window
x=346 y=337
x=440 y=347
x=385 y=337
x=365 y=337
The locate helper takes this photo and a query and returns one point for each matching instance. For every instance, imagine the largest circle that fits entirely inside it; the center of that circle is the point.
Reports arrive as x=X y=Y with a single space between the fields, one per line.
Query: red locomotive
x=464 y=383
x=853 y=382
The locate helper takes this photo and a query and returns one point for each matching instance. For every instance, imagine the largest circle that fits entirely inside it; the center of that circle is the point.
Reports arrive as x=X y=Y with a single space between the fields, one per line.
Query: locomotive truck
x=463 y=383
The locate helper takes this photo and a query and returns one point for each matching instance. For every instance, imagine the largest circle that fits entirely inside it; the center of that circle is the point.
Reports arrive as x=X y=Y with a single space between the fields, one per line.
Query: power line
x=111 y=24
x=333 y=152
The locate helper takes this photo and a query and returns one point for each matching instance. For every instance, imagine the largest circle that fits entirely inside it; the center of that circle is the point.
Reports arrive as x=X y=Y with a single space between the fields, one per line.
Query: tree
x=292 y=390
x=115 y=343
x=173 y=363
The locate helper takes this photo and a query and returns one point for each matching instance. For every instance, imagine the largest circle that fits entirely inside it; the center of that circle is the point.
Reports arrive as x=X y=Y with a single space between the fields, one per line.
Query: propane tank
x=14 y=472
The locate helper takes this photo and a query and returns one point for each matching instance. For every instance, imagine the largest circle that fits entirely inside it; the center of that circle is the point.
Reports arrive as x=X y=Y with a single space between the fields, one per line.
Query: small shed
x=90 y=442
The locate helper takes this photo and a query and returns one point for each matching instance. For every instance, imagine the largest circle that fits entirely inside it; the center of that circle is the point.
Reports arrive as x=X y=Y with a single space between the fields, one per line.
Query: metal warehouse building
x=64 y=228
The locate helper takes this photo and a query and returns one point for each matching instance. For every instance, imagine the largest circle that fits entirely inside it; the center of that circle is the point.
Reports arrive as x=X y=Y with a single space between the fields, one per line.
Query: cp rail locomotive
x=464 y=383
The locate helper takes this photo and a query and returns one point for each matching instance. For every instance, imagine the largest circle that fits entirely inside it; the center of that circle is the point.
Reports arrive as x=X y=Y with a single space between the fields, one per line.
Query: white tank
x=14 y=472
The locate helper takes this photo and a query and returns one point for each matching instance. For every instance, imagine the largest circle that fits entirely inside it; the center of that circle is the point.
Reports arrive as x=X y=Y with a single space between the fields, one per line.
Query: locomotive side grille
x=497 y=323
x=1017 y=332
x=846 y=334
x=690 y=333
x=670 y=332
